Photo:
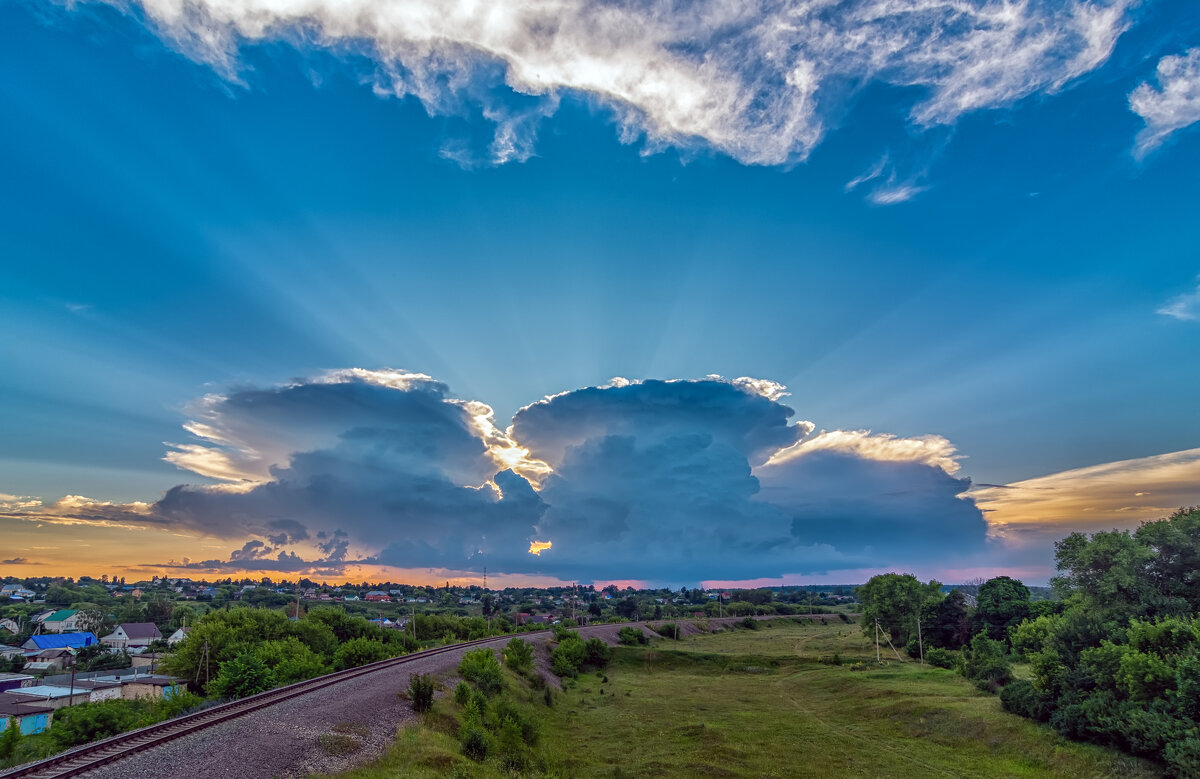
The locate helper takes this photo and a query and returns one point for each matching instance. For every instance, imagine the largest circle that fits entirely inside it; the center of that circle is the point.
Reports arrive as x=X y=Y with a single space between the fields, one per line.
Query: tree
x=627 y=607
x=1001 y=604
x=950 y=623
x=895 y=600
x=92 y=619
x=240 y=677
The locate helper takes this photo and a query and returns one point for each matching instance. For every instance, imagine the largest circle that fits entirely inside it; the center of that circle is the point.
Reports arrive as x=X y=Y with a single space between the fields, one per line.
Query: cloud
x=889 y=188
x=17 y=561
x=1185 y=307
x=654 y=480
x=681 y=480
x=1100 y=497
x=1175 y=104
x=759 y=81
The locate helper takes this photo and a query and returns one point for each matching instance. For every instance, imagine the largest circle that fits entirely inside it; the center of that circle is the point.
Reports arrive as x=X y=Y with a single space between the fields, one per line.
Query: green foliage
x=987 y=663
x=596 y=654
x=480 y=668
x=941 y=658
x=667 y=630
x=518 y=655
x=97 y=657
x=631 y=637
x=474 y=742
x=749 y=623
x=86 y=722
x=567 y=657
x=1021 y=697
x=291 y=660
x=896 y=601
x=240 y=677
x=360 y=651
x=10 y=739
x=420 y=689
x=462 y=693
x=1000 y=604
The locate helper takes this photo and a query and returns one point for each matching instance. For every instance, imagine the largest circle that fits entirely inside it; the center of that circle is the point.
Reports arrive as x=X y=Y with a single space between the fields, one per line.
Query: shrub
x=667 y=630
x=480 y=668
x=474 y=742
x=240 y=677
x=92 y=721
x=941 y=658
x=596 y=654
x=562 y=633
x=518 y=655
x=749 y=623
x=568 y=656
x=987 y=663
x=420 y=688
x=631 y=637
x=359 y=651
x=462 y=693
x=1021 y=697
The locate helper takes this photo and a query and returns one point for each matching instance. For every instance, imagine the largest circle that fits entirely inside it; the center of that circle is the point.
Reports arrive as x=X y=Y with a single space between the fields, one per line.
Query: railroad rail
x=87 y=757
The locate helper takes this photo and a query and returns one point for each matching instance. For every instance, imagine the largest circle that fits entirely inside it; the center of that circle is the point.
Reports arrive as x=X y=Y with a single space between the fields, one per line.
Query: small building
x=10 y=625
x=12 y=681
x=60 y=641
x=61 y=621
x=51 y=661
x=377 y=595
x=178 y=636
x=128 y=635
x=52 y=695
x=9 y=652
x=137 y=685
x=31 y=717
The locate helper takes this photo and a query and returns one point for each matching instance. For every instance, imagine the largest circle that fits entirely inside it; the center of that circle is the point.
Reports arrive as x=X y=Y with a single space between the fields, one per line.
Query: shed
x=31 y=717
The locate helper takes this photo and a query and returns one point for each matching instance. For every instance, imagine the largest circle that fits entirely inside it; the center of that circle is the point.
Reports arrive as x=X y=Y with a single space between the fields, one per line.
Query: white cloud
x=1099 y=497
x=1185 y=306
x=1173 y=106
x=931 y=450
x=760 y=81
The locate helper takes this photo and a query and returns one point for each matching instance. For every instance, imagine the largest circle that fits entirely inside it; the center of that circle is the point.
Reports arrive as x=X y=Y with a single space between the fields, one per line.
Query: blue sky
x=988 y=236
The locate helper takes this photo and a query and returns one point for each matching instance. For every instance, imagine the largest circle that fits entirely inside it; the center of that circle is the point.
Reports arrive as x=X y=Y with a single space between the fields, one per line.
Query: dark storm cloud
x=657 y=480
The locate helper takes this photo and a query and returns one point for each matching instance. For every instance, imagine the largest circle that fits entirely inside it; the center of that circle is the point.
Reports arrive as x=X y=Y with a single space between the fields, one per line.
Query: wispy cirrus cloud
x=759 y=81
x=1170 y=107
x=1185 y=307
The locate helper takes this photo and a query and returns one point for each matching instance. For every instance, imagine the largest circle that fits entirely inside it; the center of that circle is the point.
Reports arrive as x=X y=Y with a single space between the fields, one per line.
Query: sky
x=770 y=292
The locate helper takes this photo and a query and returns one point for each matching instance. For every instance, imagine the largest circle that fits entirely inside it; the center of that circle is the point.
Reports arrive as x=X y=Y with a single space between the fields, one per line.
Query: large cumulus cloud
x=760 y=80
x=658 y=480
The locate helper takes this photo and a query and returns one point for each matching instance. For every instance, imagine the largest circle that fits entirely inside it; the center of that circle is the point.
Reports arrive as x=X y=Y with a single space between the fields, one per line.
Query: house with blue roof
x=59 y=641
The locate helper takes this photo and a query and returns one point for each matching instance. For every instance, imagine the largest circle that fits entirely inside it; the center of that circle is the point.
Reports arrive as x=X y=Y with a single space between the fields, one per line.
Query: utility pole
x=877 y=658
x=920 y=641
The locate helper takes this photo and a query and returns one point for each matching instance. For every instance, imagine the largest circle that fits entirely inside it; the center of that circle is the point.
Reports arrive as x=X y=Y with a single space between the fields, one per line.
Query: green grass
x=756 y=703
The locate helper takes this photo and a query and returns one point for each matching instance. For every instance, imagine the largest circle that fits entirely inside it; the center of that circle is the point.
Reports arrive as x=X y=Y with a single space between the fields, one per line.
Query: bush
x=420 y=688
x=596 y=654
x=749 y=623
x=88 y=722
x=240 y=677
x=474 y=742
x=987 y=663
x=568 y=656
x=1021 y=697
x=941 y=658
x=667 y=630
x=631 y=637
x=359 y=651
x=518 y=655
x=462 y=693
x=480 y=668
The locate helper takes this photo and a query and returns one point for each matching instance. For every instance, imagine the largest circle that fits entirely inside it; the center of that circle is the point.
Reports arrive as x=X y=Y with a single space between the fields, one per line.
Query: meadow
x=765 y=702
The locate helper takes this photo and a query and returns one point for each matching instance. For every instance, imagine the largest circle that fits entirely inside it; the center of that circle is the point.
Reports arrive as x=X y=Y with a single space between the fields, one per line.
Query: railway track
x=81 y=759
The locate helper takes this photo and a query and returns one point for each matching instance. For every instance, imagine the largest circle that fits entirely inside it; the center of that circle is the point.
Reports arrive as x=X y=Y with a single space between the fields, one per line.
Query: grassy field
x=758 y=703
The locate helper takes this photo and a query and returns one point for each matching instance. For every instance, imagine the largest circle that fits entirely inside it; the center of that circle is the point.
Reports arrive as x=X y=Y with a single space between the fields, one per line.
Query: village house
x=178 y=635
x=31 y=717
x=51 y=661
x=10 y=625
x=36 y=644
x=377 y=595
x=9 y=652
x=130 y=635
x=62 y=621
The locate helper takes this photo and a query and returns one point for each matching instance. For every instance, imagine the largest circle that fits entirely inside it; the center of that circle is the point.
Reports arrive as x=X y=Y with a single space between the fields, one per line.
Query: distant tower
x=485 y=578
